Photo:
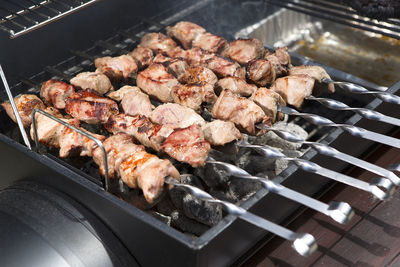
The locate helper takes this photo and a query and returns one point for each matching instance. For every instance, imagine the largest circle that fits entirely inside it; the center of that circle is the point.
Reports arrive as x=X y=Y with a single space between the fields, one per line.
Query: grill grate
x=334 y=11
x=20 y=17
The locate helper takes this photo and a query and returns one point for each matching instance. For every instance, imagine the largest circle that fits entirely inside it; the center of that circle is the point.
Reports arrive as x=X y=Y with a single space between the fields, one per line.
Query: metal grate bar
x=111 y=47
x=57 y=8
x=340 y=14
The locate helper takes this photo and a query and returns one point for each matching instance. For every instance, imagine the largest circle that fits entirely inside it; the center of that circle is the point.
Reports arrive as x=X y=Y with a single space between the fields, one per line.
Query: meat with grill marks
x=245 y=50
x=224 y=67
x=25 y=103
x=187 y=145
x=239 y=110
x=90 y=107
x=316 y=72
x=135 y=167
x=133 y=100
x=219 y=132
x=269 y=101
x=175 y=116
x=117 y=68
x=174 y=66
x=73 y=143
x=236 y=85
x=283 y=56
x=95 y=81
x=211 y=43
x=185 y=32
x=143 y=56
x=141 y=128
x=261 y=72
x=190 y=96
x=56 y=93
x=294 y=88
x=157 y=82
x=158 y=42
x=198 y=75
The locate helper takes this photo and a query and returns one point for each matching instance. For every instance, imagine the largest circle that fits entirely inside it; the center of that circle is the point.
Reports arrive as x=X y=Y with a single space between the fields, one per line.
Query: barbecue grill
x=121 y=233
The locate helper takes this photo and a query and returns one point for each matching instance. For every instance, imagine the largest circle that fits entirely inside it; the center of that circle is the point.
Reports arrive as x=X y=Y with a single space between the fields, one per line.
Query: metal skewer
x=376 y=186
x=303 y=243
x=332 y=152
x=15 y=110
x=353 y=130
x=339 y=211
x=364 y=112
x=358 y=89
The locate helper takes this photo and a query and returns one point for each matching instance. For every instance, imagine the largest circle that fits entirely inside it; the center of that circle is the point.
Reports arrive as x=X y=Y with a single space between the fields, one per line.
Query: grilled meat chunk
x=219 y=133
x=269 y=101
x=55 y=93
x=117 y=68
x=239 y=110
x=190 y=96
x=133 y=100
x=175 y=66
x=316 y=72
x=72 y=142
x=185 y=32
x=236 y=85
x=283 y=55
x=187 y=145
x=90 y=107
x=143 y=56
x=198 y=75
x=175 y=116
x=245 y=50
x=157 y=82
x=141 y=128
x=211 y=43
x=95 y=81
x=280 y=70
x=294 y=88
x=224 y=67
x=25 y=103
x=158 y=42
x=195 y=57
x=261 y=72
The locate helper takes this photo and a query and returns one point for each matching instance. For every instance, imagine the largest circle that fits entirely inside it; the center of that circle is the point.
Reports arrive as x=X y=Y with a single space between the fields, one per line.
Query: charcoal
x=253 y=162
x=212 y=175
x=281 y=164
x=161 y=217
x=177 y=194
x=180 y=221
x=242 y=189
x=223 y=194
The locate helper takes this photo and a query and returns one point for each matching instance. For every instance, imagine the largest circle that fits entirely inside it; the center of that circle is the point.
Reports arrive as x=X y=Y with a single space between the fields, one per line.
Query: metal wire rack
x=337 y=12
x=20 y=17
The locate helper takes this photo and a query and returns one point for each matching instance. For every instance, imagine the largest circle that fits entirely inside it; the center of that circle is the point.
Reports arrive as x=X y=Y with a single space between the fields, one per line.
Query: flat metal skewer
x=15 y=110
x=375 y=187
x=341 y=212
x=353 y=130
x=303 y=243
x=332 y=152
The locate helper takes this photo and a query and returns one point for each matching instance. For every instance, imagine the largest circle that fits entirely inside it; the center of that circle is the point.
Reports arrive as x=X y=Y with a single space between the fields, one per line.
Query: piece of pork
x=224 y=67
x=236 y=85
x=245 y=50
x=25 y=104
x=185 y=32
x=269 y=101
x=174 y=66
x=95 y=81
x=175 y=116
x=133 y=100
x=56 y=93
x=198 y=75
x=74 y=143
x=219 y=133
x=158 y=42
x=119 y=68
x=316 y=72
x=294 y=88
x=187 y=145
x=261 y=72
x=239 y=110
x=157 y=82
x=190 y=96
x=210 y=42
x=90 y=107
x=143 y=56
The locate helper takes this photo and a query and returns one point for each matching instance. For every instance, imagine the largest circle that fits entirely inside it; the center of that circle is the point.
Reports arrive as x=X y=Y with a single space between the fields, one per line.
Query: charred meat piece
x=195 y=56
x=269 y=101
x=72 y=142
x=55 y=93
x=211 y=43
x=175 y=66
x=141 y=128
x=117 y=68
x=316 y=72
x=283 y=55
x=224 y=67
x=261 y=72
x=133 y=100
x=190 y=96
x=219 y=133
x=158 y=42
x=239 y=110
x=175 y=116
x=143 y=56
x=294 y=88
x=185 y=32
x=280 y=70
x=157 y=82
x=90 y=107
x=236 y=85
x=187 y=145
x=198 y=75
x=92 y=80
x=245 y=50
x=25 y=103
